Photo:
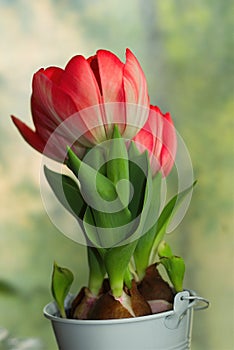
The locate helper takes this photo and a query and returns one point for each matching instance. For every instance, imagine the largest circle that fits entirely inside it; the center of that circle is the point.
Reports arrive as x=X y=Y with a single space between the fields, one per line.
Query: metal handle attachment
x=197 y=299
x=182 y=302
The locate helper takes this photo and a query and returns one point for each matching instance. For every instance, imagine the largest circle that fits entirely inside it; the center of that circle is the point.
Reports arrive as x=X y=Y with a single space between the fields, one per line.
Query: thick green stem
x=96 y=270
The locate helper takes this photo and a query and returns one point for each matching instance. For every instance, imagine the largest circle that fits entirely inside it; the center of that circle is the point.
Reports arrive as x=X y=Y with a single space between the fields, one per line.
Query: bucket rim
x=51 y=315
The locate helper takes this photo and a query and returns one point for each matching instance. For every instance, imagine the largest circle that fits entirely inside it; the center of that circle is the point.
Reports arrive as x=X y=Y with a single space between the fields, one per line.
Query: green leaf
x=62 y=279
x=118 y=258
x=128 y=278
x=105 y=206
x=90 y=229
x=139 y=222
x=116 y=262
x=103 y=237
x=175 y=268
x=97 y=270
x=143 y=251
x=164 y=250
x=165 y=218
x=141 y=179
x=117 y=166
x=67 y=192
x=95 y=158
x=138 y=172
x=104 y=230
x=96 y=188
x=144 y=246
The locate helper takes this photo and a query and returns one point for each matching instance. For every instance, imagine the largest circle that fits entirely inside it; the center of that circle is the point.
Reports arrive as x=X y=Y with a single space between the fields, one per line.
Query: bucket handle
x=182 y=303
x=197 y=299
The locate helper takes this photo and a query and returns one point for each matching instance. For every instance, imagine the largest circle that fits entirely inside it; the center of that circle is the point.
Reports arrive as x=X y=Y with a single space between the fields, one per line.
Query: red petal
x=56 y=148
x=155 y=125
x=110 y=70
x=29 y=135
x=164 y=151
x=93 y=62
x=144 y=140
x=136 y=96
x=158 y=137
x=53 y=73
x=169 y=148
x=135 y=84
x=53 y=109
x=54 y=103
x=80 y=83
x=111 y=75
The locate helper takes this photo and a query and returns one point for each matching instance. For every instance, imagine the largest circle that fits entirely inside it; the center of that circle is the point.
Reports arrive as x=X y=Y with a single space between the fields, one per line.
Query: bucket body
x=170 y=330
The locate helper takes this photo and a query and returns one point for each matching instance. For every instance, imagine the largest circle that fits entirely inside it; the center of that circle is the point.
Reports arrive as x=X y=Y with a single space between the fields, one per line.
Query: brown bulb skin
x=82 y=304
x=151 y=295
x=139 y=304
x=107 y=308
x=153 y=287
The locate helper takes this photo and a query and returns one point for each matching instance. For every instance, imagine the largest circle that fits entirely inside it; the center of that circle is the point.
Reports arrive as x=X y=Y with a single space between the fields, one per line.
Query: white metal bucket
x=169 y=330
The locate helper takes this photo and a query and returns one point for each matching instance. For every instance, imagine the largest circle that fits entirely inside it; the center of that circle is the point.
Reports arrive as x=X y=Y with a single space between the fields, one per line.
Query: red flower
x=62 y=97
x=158 y=136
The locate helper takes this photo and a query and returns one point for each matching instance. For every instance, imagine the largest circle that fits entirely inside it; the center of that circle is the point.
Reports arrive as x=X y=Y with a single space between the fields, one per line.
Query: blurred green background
x=186 y=50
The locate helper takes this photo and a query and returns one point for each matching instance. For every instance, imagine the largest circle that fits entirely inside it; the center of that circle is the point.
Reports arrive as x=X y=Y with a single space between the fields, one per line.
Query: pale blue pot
x=169 y=330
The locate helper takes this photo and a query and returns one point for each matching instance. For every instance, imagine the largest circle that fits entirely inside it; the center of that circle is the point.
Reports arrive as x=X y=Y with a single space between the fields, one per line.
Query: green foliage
x=116 y=262
x=144 y=246
x=174 y=265
x=97 y=270
x=175 y=268
x=147 y=247
x=138 y=172
x=62 y=279
x=164 y=250
x=67 y=192
x=92 y=181
x=117 y=166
